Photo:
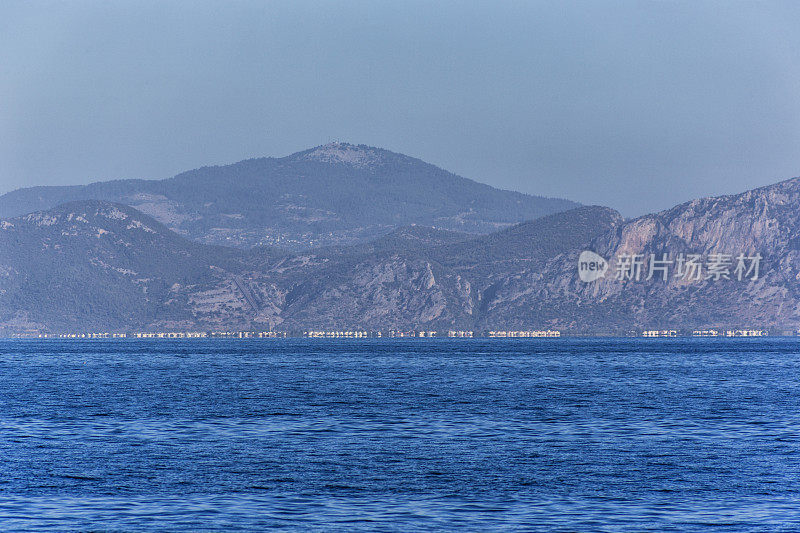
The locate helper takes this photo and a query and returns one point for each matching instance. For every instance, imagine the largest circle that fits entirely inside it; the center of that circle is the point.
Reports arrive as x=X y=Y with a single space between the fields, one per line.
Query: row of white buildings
x=707 y=333
x=362 y=334
x=310 y=334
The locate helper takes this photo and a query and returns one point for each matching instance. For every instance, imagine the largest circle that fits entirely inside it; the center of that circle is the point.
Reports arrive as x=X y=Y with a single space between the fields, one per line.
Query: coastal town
x=308 y=334
x=410 y=333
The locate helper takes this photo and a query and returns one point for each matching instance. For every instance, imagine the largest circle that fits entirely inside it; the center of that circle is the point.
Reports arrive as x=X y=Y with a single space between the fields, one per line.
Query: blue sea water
x=401 y=435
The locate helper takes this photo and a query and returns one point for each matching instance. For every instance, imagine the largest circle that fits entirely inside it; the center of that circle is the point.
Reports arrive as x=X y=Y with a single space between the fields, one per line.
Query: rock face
x=333 y=194
x=763 y=222
x=101 y=266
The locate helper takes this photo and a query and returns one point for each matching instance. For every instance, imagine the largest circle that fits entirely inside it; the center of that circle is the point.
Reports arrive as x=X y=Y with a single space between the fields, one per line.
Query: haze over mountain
x=763 y=221
x=333 y=194
x=99 y=265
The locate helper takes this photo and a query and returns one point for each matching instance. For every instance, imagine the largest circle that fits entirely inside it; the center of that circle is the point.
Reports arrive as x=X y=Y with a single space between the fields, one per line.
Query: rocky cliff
x=107 y=266
x=763 y=222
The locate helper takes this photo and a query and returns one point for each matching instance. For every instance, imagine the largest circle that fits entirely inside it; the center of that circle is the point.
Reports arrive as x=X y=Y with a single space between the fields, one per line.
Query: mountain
x=336 y=194
x=763 y=222
x=97 y=265
x=438 y=286
x=103 y=266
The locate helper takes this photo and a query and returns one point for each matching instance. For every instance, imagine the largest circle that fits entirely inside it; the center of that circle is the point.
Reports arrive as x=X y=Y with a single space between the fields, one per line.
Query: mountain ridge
x=103 y=265
x=331 y=194
x=763 y=221
x=75 y=267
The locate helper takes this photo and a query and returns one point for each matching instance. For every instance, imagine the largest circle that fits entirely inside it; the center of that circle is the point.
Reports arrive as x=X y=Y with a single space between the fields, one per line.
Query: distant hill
x=444 y=285
x=336 y=194
x=103 y=266
x=100 y=266
x=763 y=221
x=96 y=265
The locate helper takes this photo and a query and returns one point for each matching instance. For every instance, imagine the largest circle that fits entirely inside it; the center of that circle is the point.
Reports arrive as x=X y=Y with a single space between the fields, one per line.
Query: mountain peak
x=333 y=194
x=360 y=156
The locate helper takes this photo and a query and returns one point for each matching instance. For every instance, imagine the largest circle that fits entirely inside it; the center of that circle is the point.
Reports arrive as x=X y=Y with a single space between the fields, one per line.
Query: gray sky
x=634 y=105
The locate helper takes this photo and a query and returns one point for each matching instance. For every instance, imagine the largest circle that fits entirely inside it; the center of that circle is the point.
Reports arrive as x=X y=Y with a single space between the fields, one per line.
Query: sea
x=603 y=434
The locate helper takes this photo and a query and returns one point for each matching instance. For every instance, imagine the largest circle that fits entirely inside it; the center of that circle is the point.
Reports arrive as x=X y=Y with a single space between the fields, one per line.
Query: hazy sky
x=635 y=105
